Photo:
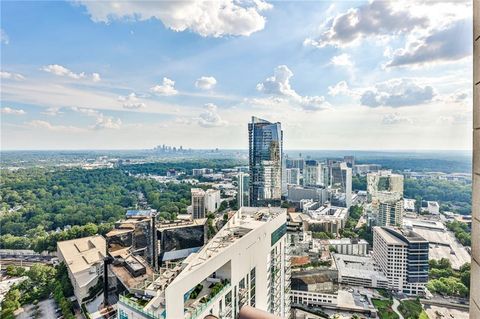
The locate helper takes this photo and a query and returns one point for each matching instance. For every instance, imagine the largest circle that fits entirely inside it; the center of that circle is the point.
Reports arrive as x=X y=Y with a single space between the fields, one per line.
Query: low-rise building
x=316 y=287
x=359 y=271
x=326 y=218
x=349 y=246
x=84 y=260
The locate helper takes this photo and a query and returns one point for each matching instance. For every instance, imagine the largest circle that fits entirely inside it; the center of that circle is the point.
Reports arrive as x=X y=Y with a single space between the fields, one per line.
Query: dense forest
x=38 y=204
x=161 y=168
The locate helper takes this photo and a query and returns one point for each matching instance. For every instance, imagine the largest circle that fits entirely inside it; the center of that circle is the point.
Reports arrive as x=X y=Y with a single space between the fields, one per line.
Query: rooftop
x=80 y=254
x=357 y=266
x=397 y=236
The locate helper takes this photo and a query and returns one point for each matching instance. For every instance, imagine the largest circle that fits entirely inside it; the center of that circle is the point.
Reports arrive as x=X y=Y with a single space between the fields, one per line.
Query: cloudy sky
x=127 y=74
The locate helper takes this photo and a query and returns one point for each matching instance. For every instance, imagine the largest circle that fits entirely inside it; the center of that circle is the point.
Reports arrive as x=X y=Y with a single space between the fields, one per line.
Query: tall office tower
x=312 y=173
x=265 y=161
x=384 y=184
x=350 y=160
x=198 y=203
x=403 y=257
x=245 y=264
x=293 y=176
x=388 y=212
x=341 y=179
x=243 y=191
x=475 y=272
x=295 y=163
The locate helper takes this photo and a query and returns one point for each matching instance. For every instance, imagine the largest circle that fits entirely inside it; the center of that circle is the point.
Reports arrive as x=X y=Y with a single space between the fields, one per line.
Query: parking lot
x=44 y=309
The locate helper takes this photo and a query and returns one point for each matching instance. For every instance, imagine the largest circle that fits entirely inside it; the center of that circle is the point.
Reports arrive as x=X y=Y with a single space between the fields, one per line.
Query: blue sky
x=338 y=75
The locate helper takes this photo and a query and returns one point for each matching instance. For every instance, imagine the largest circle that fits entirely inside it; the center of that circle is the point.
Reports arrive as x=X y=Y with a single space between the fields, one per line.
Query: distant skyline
x=357 y=75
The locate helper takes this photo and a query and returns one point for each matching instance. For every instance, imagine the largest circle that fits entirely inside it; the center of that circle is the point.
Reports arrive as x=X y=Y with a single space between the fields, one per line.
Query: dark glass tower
x=265 y=162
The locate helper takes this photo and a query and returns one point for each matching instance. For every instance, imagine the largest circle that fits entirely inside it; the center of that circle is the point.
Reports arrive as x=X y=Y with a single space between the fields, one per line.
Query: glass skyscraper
x=265 y=162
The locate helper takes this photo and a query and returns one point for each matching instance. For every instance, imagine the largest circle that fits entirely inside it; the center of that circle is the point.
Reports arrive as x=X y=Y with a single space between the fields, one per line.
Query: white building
x=198 y=203
x=388 y=212
x=299 y=193
x=293 y=176
x=359 y=271
x=246 y=263
x=384 y=184
x=326 y=218
x=212 y=200
x=243 y=189
x=349 y=246
x=403 y=257
x=433 y=208
x=84 y=260
x=313 y=173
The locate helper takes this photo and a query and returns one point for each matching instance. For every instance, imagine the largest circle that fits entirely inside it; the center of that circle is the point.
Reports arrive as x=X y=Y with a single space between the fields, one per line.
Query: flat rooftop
x=402 y=237
x=82 y=253
x=357 y=266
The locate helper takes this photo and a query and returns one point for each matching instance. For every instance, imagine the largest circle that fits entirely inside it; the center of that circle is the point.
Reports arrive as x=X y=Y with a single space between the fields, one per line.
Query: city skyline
x=134 y=77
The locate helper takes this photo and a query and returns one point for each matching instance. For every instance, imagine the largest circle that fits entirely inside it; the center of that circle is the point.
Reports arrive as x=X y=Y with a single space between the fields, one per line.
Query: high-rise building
x=198 y=203
x=312 y=173
x=475 y=268
x=265 y=161
x=388 y=212
x=384 y=184
x=403 y=257
x=341 y=179
x=212 y=200
x=243 y=190
x=295 y=163
x=245 y=264
x=293 y=176
x=350 y=160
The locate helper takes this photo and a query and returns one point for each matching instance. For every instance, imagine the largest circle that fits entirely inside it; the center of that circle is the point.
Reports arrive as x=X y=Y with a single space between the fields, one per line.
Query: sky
x=356 y=75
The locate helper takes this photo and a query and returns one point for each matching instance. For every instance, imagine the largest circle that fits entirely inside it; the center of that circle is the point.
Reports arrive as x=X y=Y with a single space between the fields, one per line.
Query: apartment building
x=246 y=263
x=198 y=203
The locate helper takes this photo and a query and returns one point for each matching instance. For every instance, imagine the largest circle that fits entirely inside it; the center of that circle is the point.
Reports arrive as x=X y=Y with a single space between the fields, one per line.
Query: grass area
x=384 y=308
x=423 y=315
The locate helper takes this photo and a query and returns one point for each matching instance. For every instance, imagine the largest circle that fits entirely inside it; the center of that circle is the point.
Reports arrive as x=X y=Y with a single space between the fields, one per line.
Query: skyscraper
x=265 y=161
x=384 y=184
x=312 y=173
x=293 y=176
x=475 y=288
x=341 y=179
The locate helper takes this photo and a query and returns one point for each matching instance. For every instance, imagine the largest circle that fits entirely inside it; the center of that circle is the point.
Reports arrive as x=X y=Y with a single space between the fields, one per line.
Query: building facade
x=198 y=203
x=243 y=192
x=475 y=272
x=341 y=180
x=388 y=212
x=403 y=257
x=265 y=162
x=212 y=200
x=384 y=184
x=312 y=173
x=246 y=263
x=293 y=176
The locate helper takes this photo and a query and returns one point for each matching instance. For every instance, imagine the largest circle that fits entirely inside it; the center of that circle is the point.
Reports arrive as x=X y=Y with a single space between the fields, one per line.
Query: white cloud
x=51 y=127
x=396 y=118
x=447 y=43
x=11 y=76
x=207 y=18
x=456 y=119
x=96 y=77
x=279 y=85
x=101 y=121
x=4 y=37
x=131 y=101
x=206 y=82
x=397 y=93
x=210 y=117
x=343 y=59
x=65 y=72
x=341 y=88
x=9 y=110
x=166 y=88
x=52 y=111
x=373 y=19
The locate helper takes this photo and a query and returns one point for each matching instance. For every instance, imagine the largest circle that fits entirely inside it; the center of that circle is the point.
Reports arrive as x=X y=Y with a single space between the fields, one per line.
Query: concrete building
x=363 y=169
x=312 y=173
x=388 y=212
x=316 y=287
x=349 y=246
x=326 y=218
x=295 y=163
x=265 y=162
x=84 y=260
x=243 y=195
x=403 y=257
x=212 y=200
x=384 y=184
x=246 y=263
x=475 y=272
x=293 y=176
x=359 y=271
x=433 y=208
x=298 y=193
x=198 y=203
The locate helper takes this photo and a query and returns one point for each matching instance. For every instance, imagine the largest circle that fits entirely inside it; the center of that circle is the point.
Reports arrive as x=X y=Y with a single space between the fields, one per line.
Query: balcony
x=138 y=307
x=194 y=308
